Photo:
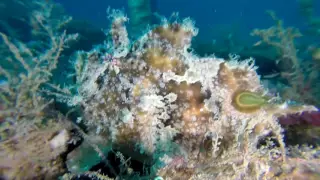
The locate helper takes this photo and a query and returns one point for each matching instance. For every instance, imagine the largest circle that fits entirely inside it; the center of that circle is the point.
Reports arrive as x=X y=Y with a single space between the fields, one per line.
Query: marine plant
x=33 y=136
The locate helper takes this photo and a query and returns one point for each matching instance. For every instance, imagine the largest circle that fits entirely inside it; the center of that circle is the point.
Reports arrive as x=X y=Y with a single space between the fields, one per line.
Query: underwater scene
x=159 y=90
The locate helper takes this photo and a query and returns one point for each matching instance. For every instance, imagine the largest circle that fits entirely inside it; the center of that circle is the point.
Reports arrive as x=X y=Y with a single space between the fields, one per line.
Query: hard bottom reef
x=152 y=102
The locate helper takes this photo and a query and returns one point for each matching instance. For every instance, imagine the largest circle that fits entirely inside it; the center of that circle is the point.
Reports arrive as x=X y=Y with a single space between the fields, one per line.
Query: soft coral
x=306 y=118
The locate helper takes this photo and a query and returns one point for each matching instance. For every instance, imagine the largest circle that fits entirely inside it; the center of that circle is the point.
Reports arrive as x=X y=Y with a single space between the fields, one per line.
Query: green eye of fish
x=246 y=101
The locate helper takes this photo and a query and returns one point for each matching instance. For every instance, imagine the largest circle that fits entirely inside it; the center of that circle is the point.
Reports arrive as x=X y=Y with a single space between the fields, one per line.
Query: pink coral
x=307 y=118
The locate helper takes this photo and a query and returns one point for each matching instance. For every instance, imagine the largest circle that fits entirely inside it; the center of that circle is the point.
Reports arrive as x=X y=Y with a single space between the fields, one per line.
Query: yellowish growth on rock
x=173 y=33
x=36 y=155
x=156 y=58
x=146 y=83
x=195 y=116
x=226 y=77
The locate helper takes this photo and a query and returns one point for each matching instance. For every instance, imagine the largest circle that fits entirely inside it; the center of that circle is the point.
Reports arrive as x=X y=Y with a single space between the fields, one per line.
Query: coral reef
x=203 y=117
x=36 y=154
x=153 y=100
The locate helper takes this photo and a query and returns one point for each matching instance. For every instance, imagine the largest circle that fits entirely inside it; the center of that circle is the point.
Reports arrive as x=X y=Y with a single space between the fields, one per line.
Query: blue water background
x=213 y=17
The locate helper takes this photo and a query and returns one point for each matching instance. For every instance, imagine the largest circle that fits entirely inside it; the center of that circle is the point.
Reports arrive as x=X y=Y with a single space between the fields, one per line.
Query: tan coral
x=211 y=113
x=158 y=59
x=35 y=155
x=174 y=33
